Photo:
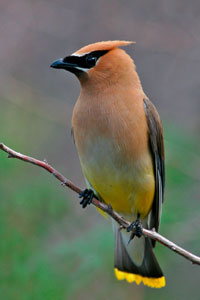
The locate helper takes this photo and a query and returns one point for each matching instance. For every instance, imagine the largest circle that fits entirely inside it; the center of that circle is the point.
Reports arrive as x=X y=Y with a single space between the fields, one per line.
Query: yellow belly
x=128 y=186
x=124 y=196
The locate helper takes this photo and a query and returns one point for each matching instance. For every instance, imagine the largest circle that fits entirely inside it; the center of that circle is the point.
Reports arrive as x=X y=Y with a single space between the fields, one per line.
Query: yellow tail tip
x=149 y=281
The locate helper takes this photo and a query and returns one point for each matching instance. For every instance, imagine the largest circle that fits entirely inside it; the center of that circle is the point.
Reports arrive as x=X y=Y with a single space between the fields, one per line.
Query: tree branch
x=106 y=208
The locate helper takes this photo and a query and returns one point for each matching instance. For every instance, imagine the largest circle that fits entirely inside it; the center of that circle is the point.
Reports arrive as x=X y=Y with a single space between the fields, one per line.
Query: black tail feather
x=123 y=261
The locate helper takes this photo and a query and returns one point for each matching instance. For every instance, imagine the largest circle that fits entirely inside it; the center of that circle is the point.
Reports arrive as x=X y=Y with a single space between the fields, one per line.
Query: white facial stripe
x=82 y=69
x=79 y=55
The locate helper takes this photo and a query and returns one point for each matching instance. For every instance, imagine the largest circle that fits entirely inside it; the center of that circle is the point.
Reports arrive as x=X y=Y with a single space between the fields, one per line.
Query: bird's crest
x=107 y=45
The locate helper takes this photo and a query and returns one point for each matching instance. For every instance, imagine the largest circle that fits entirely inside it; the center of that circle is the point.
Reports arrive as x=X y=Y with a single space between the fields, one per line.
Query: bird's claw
x=136 y=228
x=86 y=196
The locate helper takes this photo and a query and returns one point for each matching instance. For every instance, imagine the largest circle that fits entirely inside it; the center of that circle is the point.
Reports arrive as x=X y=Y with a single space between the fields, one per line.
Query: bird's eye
x=91 y=60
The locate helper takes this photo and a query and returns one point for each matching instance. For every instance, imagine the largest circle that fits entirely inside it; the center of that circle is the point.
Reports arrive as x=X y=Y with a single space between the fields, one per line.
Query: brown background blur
x=36 y=104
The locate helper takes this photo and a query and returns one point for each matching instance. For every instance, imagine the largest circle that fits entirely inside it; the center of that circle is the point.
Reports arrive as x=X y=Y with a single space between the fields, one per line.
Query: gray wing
x=156 y=144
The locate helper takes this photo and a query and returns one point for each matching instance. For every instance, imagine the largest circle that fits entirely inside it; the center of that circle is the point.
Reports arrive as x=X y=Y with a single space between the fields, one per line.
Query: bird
x=119 y=139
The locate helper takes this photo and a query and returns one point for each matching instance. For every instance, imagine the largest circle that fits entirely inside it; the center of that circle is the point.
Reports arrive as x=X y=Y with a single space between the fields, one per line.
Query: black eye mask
x=86 y=61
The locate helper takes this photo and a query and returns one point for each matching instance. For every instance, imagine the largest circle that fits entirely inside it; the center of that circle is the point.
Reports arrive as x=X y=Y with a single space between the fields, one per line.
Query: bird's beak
x=60 y=64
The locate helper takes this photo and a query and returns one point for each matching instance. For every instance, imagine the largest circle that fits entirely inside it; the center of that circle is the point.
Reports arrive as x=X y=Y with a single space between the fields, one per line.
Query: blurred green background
x=50 y=248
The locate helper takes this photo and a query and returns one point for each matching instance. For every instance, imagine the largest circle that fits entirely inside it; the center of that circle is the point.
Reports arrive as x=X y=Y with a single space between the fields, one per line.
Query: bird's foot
x=136 y=228
x=86 y=196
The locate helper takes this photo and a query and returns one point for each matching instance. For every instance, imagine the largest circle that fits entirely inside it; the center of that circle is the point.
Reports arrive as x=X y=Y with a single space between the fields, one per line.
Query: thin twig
x=106 y=208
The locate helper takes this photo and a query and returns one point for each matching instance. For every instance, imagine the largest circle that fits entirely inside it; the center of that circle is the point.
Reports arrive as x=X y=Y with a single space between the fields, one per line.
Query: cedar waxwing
x=119 y=138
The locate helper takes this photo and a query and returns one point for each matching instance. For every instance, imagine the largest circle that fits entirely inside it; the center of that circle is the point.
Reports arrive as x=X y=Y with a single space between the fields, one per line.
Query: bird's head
x=98 y=60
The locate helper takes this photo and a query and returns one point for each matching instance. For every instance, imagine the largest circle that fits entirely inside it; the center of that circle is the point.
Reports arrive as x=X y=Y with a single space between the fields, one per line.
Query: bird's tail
x=136 y=261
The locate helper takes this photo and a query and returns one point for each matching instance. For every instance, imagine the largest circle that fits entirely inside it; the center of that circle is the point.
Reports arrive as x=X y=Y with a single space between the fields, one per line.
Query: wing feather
x=156 y=144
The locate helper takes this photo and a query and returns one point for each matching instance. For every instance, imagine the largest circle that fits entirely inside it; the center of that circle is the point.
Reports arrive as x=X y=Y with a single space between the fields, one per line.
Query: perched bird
x=119 y=138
